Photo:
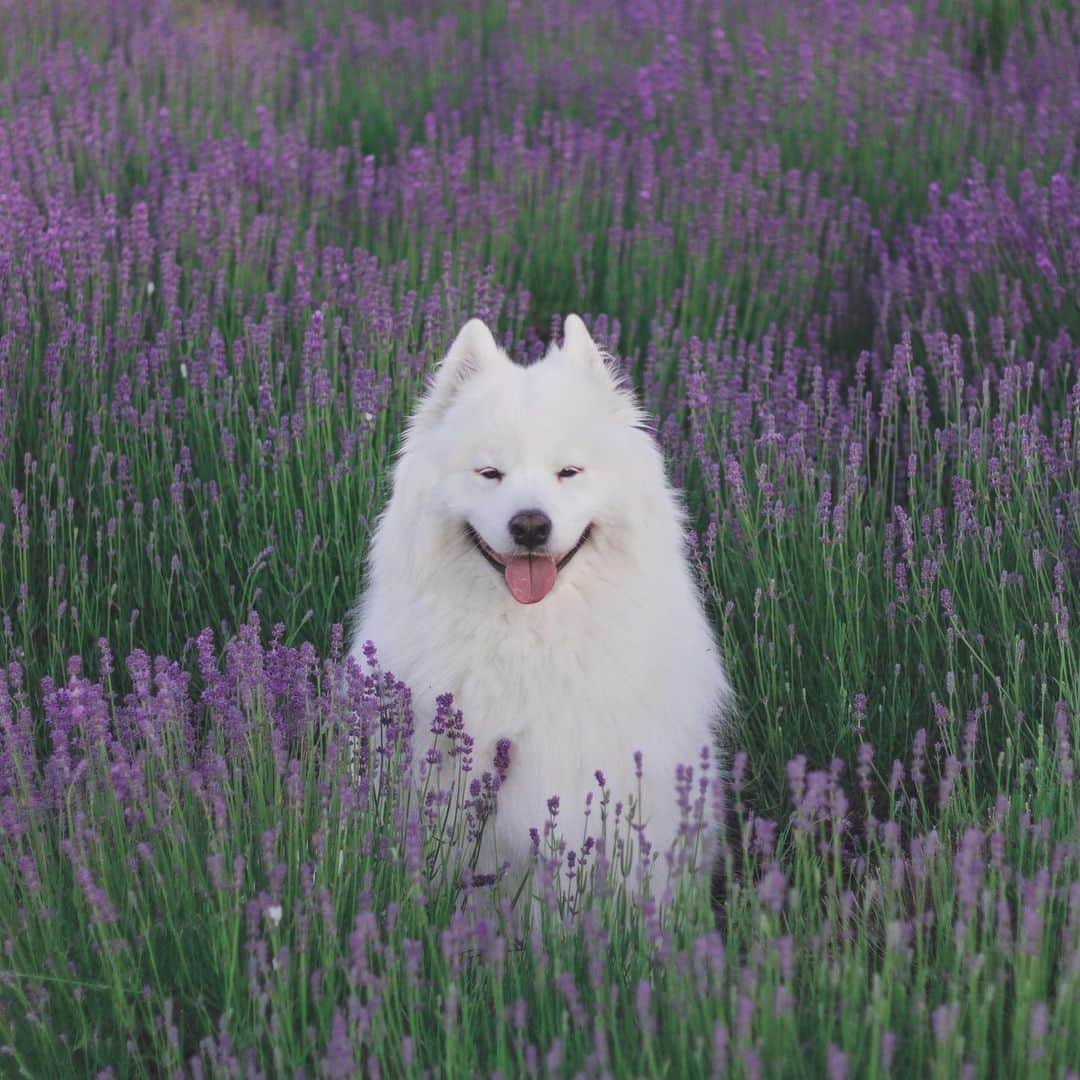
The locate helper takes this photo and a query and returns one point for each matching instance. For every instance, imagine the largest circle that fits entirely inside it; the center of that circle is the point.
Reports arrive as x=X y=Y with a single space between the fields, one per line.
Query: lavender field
x=837 y=248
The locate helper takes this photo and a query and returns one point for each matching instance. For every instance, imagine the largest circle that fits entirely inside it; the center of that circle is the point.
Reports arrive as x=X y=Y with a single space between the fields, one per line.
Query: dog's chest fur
x=599 y=670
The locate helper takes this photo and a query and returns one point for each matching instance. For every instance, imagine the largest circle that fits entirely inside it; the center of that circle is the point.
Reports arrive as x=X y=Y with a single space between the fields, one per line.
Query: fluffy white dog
x=532 y=562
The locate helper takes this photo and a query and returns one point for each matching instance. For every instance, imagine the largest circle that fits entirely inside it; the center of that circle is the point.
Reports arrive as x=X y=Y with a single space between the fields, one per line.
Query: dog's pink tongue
x=530 y=577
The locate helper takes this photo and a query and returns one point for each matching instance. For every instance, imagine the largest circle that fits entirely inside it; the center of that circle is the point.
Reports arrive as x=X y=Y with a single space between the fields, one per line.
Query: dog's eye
x=489 y=474
x=570 y=470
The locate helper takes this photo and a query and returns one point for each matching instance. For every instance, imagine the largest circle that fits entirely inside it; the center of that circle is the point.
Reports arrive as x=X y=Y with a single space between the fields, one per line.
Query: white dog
x=532 y=562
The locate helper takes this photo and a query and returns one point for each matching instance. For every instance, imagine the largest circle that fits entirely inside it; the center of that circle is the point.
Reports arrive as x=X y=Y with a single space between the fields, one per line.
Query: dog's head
x=529 y=469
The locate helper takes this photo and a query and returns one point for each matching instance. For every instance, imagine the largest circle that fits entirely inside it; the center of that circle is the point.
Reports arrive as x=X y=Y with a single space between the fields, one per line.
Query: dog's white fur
x=617 y=657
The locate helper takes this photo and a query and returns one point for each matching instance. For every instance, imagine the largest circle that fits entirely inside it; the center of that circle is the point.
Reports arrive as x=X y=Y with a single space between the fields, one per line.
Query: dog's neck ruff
x=528 y=577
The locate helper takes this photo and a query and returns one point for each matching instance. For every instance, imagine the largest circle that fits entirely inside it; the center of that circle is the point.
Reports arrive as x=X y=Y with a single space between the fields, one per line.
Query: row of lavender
x=200 y=881
x=180 y=226
x=840 y=253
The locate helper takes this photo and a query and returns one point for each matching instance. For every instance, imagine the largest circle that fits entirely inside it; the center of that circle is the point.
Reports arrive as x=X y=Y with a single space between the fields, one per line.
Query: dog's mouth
x=528 y=577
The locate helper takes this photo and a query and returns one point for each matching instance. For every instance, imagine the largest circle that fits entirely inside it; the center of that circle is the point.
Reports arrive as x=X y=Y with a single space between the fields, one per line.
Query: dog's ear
x=583 y=351
x=473 y=350
x=578 y=343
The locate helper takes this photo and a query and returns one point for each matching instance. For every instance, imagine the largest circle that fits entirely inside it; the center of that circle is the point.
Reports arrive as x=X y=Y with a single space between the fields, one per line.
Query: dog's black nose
x=530 y=528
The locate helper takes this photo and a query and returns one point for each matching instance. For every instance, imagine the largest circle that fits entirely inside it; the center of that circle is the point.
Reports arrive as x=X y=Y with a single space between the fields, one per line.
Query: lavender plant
x=839 y=252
